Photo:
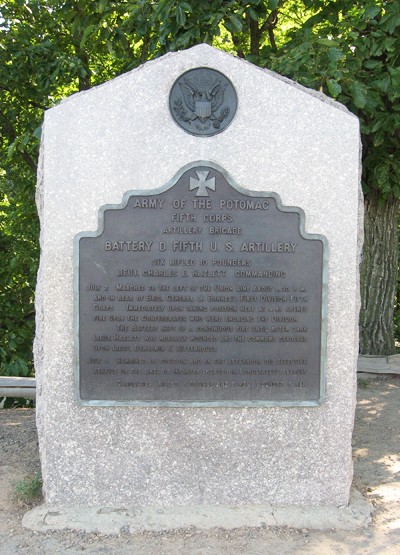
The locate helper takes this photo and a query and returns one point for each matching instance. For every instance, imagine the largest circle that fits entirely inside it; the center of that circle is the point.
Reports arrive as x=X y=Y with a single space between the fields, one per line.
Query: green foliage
x=18 y=267
x=17 y=403
x=28 y=490
x=50 y=49
x=352 y=53
x=362 y=383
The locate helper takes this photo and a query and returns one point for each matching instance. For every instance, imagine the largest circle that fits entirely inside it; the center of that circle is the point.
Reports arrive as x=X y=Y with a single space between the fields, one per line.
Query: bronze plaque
x=200 y=293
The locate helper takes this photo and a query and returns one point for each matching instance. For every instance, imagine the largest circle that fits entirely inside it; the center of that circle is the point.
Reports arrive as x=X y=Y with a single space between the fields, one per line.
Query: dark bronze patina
x=202 y=293
x=203 y=102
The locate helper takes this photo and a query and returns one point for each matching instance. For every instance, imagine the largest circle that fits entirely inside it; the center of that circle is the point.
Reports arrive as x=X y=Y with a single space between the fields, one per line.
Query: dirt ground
x=376 y=474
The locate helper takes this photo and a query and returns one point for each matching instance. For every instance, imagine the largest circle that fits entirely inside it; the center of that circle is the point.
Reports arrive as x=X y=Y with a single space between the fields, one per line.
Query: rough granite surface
x=119 y=137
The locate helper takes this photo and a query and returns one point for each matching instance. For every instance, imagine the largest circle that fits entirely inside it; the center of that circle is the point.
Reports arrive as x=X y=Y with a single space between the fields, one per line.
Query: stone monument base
x=115 y=521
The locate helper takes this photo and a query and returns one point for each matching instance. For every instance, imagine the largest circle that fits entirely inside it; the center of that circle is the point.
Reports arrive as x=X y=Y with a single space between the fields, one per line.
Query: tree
x=352 y=53
x=50 y=49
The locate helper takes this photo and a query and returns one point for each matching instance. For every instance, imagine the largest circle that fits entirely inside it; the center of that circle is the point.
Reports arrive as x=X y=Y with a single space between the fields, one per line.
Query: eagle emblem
x=201 y=103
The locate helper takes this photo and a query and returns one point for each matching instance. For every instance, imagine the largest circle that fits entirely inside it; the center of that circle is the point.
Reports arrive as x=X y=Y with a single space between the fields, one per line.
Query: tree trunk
x=379 y=276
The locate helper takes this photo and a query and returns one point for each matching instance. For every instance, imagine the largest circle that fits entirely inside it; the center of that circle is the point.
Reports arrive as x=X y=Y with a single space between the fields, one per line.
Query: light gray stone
x=119 y=137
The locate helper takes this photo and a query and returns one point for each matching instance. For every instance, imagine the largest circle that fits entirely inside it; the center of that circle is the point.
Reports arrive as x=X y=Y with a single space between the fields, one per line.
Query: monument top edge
x=203 y=55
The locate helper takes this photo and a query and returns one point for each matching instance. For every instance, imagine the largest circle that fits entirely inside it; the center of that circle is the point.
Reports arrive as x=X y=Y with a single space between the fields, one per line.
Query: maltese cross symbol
x=202 y=184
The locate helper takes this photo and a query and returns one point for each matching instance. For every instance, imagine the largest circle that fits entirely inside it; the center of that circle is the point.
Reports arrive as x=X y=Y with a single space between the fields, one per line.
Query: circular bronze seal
x=203 y=102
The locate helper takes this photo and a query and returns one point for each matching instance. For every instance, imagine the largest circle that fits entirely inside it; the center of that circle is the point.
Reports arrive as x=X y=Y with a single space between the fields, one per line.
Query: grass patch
x=363 y=384
x=28 y=490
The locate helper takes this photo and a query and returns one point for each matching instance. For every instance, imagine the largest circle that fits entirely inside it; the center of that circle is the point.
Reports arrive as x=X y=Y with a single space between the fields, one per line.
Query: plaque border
x=225 y=403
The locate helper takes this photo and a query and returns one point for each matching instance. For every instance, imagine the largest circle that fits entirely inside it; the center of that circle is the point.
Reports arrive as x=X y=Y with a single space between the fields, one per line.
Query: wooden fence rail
x=11 y=386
